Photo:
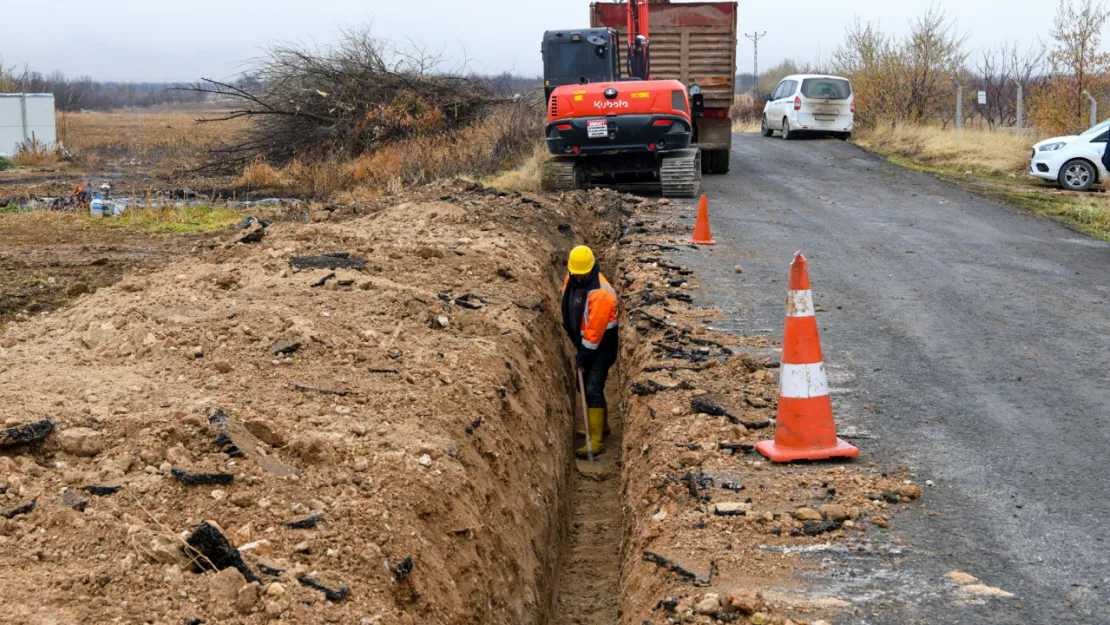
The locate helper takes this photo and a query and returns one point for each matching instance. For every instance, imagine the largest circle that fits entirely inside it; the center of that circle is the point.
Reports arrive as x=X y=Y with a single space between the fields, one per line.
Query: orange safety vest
x=600 y=313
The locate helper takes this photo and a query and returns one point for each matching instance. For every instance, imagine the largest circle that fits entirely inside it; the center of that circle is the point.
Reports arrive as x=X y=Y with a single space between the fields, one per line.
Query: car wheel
x=787 y=134
x=764 y=129
x=844 y=136
x=1077 y=175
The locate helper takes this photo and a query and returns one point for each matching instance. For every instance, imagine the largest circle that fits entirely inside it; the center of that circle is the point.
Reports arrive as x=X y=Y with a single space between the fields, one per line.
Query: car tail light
x=853 y=109
x=651 y=146
x=575 y=149
x=564 y=127
x=797 y=103
x=662 y=122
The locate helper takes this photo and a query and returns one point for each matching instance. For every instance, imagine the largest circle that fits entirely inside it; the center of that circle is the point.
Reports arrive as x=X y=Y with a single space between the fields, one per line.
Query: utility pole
x=755 y=37
x=1094 y=108
x=959 y=105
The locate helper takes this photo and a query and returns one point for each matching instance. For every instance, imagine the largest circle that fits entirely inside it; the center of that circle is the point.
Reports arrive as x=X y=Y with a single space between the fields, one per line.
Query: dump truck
x=694 y=43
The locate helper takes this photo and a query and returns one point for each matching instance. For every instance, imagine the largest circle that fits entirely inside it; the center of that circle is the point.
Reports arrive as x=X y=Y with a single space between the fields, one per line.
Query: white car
x=1075 y=162
x=810 y=103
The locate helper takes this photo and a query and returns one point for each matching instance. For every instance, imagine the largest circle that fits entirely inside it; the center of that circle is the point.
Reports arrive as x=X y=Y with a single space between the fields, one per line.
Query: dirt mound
x=384 y=445
x=712 y=528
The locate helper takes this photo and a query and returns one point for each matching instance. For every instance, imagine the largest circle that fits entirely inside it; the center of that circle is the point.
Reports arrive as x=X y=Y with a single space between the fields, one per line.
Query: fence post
x=1020 y=106
x=959 y=104
x=1094 y=108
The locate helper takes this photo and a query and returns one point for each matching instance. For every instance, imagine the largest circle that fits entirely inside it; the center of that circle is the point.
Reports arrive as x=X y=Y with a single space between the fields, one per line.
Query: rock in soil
x=80 y=441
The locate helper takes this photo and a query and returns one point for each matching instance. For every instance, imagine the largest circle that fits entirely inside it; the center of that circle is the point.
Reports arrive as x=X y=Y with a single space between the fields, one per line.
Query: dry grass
x=525 y=177
x=748 y=125
x=980 y=152
x=259 y=175
x=505 y=140
x=35 y=153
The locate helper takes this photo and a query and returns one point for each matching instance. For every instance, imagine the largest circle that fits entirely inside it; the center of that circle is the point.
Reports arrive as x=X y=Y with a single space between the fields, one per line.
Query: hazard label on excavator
x=597 y=128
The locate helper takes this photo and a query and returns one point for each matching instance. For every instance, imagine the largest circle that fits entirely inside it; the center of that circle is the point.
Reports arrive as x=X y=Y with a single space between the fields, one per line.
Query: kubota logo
x=610 y=104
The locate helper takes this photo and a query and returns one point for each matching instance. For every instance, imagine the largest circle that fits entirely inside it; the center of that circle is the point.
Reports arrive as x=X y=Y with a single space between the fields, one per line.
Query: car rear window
x=827 y=88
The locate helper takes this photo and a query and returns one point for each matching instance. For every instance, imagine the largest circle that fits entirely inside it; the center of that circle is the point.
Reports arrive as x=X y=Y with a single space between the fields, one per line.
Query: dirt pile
x=712 y=528
x=378 y=445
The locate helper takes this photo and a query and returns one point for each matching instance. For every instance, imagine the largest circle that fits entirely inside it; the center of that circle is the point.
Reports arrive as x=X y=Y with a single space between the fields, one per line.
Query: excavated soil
x=48 y=260
x=712 y=530
x=388 y=444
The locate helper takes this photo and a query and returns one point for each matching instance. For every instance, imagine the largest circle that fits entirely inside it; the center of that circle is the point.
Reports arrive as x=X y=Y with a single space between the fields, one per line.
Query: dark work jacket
x=1106 y=156
x=574 y=304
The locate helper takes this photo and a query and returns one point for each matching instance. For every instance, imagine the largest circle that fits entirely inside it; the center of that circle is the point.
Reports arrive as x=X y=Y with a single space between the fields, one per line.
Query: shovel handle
x=585 y=414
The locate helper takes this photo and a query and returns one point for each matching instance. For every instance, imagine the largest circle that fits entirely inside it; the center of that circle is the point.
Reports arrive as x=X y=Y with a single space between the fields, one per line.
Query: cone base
x=708 y=242
x=778 y=453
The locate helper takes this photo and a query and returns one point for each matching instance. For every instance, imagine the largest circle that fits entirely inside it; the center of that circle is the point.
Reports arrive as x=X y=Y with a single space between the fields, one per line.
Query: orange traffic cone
x=701 y=226
x=804 y=429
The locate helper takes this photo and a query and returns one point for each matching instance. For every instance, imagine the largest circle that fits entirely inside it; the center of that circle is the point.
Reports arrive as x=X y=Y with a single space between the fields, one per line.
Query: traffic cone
x=804 y=429
x=701 y=226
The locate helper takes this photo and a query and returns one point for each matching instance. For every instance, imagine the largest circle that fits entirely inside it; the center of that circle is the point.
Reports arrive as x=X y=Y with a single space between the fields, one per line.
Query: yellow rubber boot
x=597 y=424
x=606 y=430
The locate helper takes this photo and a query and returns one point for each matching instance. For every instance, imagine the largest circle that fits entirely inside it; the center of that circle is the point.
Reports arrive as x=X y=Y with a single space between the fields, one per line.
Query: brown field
x=127 y=138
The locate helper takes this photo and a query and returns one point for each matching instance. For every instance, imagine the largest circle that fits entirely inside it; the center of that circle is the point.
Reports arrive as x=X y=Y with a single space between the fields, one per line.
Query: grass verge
x=993 y=164
x=171 y=219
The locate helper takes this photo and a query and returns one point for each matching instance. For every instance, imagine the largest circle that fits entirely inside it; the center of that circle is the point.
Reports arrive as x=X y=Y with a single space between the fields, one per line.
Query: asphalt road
x=964 y=339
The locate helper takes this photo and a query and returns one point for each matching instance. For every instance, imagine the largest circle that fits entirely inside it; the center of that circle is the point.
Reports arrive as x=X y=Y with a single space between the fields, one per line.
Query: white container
x=96 y=207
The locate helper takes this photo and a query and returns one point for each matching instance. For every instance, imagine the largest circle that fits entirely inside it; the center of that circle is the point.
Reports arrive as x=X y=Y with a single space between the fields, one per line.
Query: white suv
x=810 y=103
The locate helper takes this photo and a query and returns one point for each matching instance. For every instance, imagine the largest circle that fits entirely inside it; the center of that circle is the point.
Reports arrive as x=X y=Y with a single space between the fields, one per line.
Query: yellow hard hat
x=581 y=260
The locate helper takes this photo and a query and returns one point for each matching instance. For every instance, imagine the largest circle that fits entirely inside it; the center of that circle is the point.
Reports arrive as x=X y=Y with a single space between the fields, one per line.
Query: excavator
x=611 y=124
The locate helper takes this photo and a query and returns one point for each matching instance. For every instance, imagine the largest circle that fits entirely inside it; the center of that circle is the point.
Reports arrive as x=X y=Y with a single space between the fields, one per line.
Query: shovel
x=585 y=415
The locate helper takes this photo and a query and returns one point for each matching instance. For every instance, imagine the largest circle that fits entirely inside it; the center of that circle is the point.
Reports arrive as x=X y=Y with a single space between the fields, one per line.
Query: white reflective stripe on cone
x=799 y=303
x=804 y=381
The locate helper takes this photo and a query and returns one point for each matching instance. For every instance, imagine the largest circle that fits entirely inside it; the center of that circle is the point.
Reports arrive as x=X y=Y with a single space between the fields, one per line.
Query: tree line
x=84 y=93
x=912 y=79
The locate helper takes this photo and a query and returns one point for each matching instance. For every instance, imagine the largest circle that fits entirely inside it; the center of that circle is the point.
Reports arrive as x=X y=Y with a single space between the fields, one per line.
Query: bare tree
x=998 y=71
x=1077 y=31
x=932 y=55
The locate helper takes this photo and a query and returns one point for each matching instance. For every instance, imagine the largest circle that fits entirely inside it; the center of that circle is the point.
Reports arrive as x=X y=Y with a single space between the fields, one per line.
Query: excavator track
x=559 y=174
x=680 y=174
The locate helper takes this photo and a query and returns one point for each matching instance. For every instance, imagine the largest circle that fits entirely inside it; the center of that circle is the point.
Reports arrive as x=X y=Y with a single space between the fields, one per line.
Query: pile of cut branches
x=341 y=102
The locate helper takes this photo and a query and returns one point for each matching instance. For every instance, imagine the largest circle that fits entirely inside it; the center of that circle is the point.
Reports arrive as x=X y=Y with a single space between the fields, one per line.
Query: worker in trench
x=590 y=320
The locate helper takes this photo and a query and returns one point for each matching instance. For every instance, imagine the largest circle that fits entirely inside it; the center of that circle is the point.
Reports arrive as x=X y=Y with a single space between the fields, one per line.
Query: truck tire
x=764 y=129
x=680 y=174
x=787 y=134
x=718 y=161
x=560 y=174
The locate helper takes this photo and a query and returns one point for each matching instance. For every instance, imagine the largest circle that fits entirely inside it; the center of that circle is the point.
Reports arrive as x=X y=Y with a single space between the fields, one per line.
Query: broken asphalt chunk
x=305 y=523
x=683 y=571
x=332 y=261
x=814 y=528
x=403 y=569
x=210 y=550
x=26 y=434
x=323 y=281
x=17 y=509
x=197 y=479
x=333 y=592
x=102 y=491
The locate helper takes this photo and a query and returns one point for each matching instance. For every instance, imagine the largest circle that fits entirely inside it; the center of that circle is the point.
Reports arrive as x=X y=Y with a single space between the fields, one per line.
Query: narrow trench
x=587 y=584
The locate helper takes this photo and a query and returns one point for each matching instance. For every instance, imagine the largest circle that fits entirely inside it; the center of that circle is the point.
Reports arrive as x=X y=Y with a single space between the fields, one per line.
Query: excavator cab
x=573 y=57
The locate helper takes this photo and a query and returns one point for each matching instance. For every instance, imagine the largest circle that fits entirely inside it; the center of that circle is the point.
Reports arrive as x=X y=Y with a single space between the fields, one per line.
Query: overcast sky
x=176 y=40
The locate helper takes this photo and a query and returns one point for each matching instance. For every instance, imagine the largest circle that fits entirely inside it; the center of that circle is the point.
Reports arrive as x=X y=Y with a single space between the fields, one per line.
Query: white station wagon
x=810 y=103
